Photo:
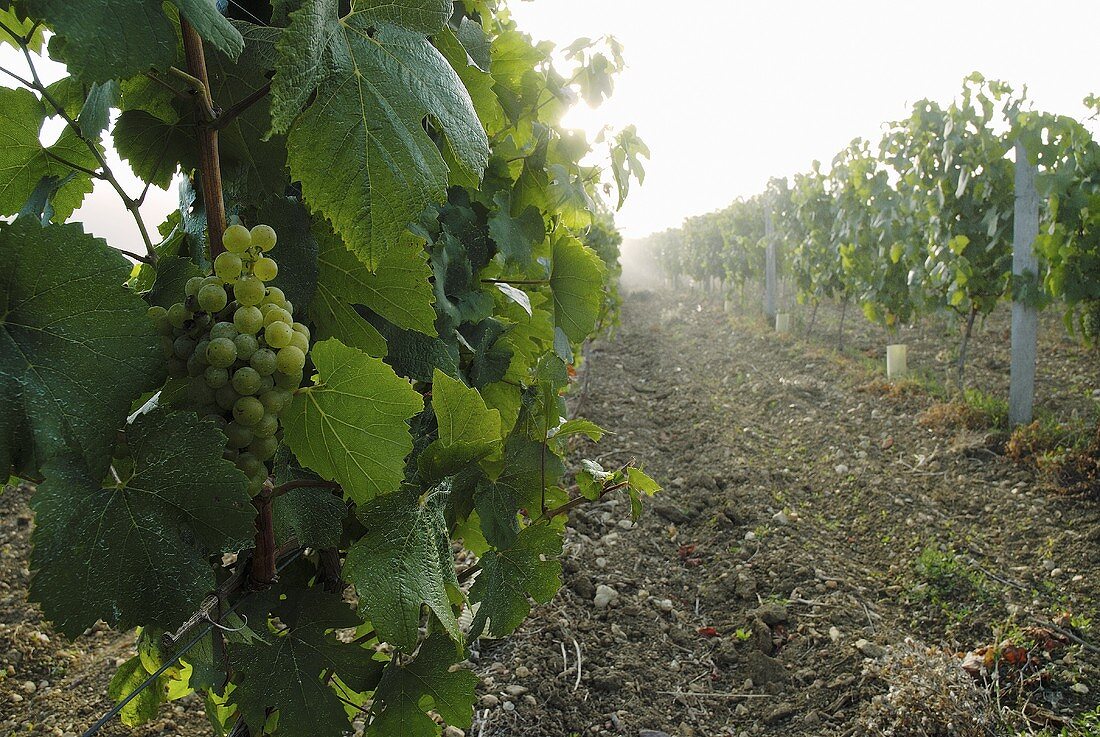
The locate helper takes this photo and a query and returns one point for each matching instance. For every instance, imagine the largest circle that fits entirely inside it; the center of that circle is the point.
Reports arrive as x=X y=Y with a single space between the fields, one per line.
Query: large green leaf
x=468 y=430
x=577 y=283
x=428 y=682
x=351 y=426
x=360 y=149
x=116 y=39
x=402 y=562
x=530 y=567
x=75 y=345
x=25 y=162
x=399 y=289
x=287 y=673
x=133 y=551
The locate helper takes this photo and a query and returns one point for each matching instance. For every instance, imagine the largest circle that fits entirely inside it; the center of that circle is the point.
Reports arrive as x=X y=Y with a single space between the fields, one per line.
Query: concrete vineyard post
x=769 y=266
x=1025 y=317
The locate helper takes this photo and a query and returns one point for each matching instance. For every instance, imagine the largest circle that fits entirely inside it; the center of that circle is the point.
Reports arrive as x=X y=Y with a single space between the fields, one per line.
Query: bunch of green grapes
x=236 y=343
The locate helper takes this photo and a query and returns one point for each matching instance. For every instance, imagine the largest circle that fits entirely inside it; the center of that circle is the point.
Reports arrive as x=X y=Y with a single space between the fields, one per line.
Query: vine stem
x=210 y=170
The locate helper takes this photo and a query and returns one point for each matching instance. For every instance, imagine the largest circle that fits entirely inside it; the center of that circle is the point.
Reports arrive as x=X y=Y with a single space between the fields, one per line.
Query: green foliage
x=443 y=256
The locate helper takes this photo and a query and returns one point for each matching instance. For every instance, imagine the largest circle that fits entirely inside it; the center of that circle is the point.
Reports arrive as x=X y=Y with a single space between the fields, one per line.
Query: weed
x=949 y=585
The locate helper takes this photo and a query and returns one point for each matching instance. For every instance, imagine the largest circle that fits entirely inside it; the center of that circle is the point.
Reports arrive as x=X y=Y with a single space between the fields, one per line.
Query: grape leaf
x=399 y=289
x=577 y=283
x=154 y=149
x=468 y=430
x=22 y=26
x=21 y=116
x=404 y=689
x=116 y=39
x=360 y=149
x=516 y=237
x=75 y=345
x=249 y=155
x=311 y=515
x=143 y=707
x=401 y=562
x=133 y=552
x=172 y=273
x=351 y=426
x=335 y=318
x=286 y=673
x=416 y=355
x=530 y=567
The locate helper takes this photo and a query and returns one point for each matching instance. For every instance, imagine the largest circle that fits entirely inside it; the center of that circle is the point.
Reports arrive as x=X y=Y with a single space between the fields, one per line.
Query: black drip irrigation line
x=117 y=708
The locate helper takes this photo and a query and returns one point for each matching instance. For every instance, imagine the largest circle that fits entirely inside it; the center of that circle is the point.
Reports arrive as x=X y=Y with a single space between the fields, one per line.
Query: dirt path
x=807 y=525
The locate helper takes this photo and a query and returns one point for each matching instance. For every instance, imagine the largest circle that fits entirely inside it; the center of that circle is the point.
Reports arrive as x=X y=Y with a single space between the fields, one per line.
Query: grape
x=276 y=400
x=246 y=380
x=178 y=315
x=265 y=269
x=248 y=320
x=264 y=448
x=276 y=314
x=236 y=239
x=250 y=464
x=265 y=361
x=228 y=266
x=221 y=353
x=195 y=364
x=223 y=330
x=267 y=383
x=248 y=410
x=177 y=369
x=263 y=237
x=246 y=346
x=277 y=334
x=238 y=435
x=300 y=342
x=230 y=455
x=167 y=346
x=212 y=280
x=199 y=393
x=159 y=316
x=191 y=288
x=226 y=397
x=216 y=377
x=275 y=296
x=183 y=347
x=212 y=298
x=288 y=306
x=290 y=382
x=200 y=351
x=290 y=360
x=256 y=483
x=249 y=291
x=266 y=427
x=300 y=328
x=200 y=323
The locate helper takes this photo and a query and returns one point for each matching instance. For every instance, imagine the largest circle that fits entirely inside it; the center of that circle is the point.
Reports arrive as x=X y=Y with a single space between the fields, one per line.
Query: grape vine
x=921 y=222
x=348 y=348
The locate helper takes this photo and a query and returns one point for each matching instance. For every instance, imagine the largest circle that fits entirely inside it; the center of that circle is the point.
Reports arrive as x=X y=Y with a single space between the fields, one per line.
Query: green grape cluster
x=234 y=340
x=1090 y=321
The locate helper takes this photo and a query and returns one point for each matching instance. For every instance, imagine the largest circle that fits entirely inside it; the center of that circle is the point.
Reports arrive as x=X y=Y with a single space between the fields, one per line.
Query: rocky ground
x=831 y=556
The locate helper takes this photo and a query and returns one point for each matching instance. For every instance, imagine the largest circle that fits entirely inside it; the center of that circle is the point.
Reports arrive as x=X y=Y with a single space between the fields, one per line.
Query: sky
x=728 y=93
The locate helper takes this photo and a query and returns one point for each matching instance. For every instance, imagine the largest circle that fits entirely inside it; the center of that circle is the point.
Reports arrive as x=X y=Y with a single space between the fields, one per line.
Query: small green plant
x=743 y=634
x=951 y=586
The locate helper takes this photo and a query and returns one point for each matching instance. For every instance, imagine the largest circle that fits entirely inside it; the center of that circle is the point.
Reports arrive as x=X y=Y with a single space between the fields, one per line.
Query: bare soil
x=823 y=560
